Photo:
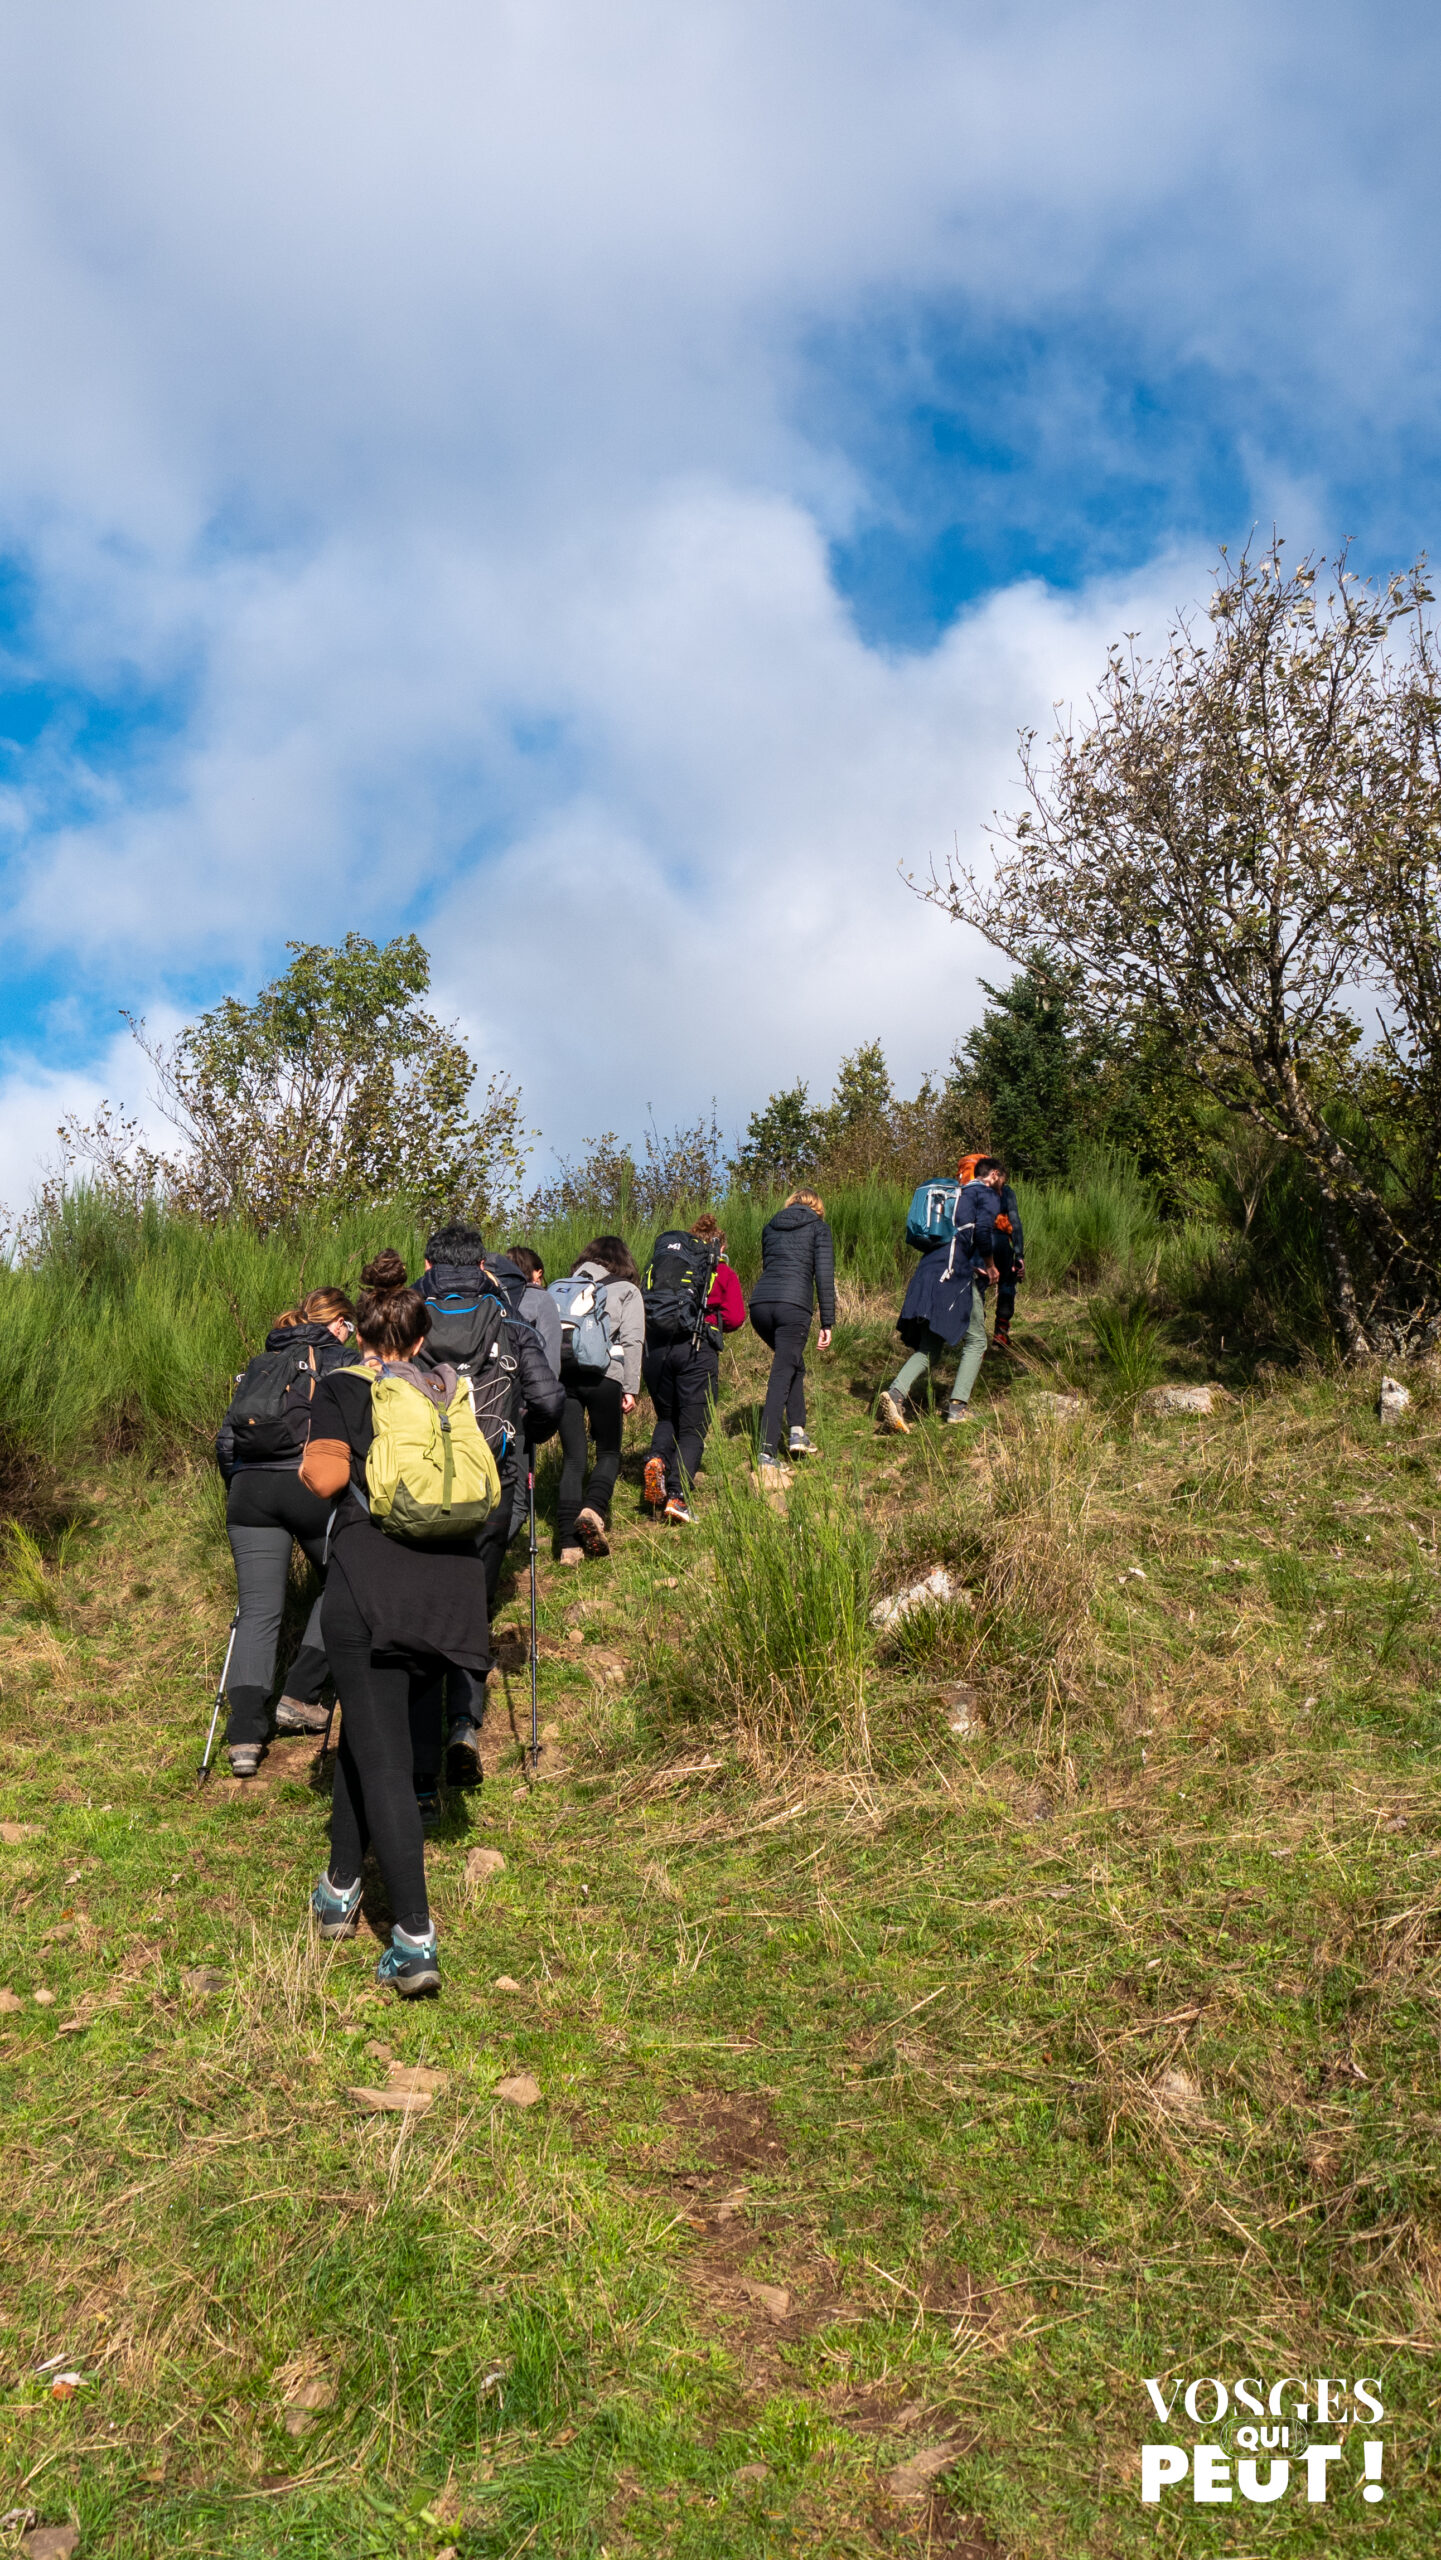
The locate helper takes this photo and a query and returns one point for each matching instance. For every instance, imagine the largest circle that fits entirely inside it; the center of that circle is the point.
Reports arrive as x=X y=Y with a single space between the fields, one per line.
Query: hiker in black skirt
x=394 y=1614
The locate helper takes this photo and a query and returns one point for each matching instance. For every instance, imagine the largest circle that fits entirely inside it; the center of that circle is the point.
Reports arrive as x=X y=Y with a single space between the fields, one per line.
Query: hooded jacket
x=542 y=1397
x=534 y=1306
x=943 y=1283
x=626 y=1309
x=798 y=1260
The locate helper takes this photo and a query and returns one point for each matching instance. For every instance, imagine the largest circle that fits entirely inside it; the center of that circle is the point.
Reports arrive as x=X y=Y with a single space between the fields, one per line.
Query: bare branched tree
x=1237 y=844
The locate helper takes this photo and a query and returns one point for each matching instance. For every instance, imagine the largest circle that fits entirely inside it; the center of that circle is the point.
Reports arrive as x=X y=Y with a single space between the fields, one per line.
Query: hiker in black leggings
x=267 y=1507
x=798 y=1265
x=395 y=1614
x=582 y=1521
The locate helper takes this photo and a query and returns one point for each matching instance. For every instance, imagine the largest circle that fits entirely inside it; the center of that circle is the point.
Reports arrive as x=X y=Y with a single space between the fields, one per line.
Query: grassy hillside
x=903 y=2089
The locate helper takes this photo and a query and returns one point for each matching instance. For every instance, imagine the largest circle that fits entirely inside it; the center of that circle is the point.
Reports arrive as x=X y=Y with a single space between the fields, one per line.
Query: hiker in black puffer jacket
x=266 y=1509
x=798 y=1271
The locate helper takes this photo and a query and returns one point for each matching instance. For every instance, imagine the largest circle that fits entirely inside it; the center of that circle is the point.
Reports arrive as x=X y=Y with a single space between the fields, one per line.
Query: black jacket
x=329 y=1354
x=798 y=1256
x=541 y=1397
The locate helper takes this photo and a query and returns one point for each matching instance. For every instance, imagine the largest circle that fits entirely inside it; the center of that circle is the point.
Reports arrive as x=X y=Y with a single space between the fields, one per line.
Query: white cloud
x=410 y=398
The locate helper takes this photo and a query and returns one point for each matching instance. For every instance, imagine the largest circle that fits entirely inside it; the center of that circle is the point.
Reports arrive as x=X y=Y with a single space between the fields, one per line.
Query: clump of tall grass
x=782 y=1641
x=1128 y=1347
x=1104 y=1224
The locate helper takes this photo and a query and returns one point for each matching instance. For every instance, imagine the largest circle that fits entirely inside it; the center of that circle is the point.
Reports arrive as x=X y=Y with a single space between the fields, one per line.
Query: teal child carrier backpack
x=931 y=1217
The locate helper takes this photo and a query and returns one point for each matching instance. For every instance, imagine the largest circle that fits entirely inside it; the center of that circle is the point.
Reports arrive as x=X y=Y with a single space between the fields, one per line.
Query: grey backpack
x=587 y=1333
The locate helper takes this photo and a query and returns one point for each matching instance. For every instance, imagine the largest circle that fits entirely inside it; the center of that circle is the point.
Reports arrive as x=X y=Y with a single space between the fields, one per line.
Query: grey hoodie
x=626 y=1309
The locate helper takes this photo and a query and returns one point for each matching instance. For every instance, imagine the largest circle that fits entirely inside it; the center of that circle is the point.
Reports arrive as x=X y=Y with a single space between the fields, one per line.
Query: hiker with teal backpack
x=692 y=1299
x=399 y=1452
x=953 y=1225
x=602 y=1323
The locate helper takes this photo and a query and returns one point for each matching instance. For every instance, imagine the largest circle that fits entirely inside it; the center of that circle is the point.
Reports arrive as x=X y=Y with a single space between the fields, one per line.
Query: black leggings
x=374 y=1799
x=785 y=1330
x=600 y=1405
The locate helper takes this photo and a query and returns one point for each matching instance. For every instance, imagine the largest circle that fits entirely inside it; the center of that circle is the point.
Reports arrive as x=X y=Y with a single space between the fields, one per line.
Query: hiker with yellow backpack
x=398 y=1449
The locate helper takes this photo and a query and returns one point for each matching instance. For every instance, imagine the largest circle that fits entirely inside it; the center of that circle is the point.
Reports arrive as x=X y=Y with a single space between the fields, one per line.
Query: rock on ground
x=1179 y=1399
x=937 y=1590
x=911 y=2480
x=1392 y=1401
x=1054 y=1407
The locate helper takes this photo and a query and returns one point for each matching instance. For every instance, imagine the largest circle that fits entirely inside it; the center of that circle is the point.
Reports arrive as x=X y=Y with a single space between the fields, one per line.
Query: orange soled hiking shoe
x=590 y=1529
x=655 y=1483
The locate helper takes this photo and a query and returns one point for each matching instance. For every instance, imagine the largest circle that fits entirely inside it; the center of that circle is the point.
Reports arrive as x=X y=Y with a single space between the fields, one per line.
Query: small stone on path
x=203 y=1978
x=1058 y=1407
x=12 y=1833
x=910 y=2480
x=772 y=2299
x=752 y=2472
x=1391 y=1403
x=45 y=1999
x=507 y=1982
x=378 y=2052
x=482 y=1864
x=392 y=2102
x=415 y=2079
x=51 y=2542
x=9 y=2003
x=520 y=2090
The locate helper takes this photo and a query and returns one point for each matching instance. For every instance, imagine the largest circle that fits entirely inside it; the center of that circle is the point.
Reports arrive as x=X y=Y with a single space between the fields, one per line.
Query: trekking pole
x=204 y=1770
x=534 y=1673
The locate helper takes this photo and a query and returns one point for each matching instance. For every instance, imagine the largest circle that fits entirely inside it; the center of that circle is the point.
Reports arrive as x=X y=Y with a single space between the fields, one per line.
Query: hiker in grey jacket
x=583 y=1508
x=798 y=1265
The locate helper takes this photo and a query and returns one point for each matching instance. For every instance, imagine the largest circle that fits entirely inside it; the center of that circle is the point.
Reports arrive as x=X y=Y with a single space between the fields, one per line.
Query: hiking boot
x=428 y=1804
x=889 y=1414
x=462 y=1755
x=958 y=1413
x=333 y=1908
x=655 y=1483
x=301 y=1715
x=412 y=1964
x=590 y=1529
x=679 y=1511
x=802 y=1445
x=1000 y=1339
x=245 y=1758
x=571 y=1555
x=766 y=1462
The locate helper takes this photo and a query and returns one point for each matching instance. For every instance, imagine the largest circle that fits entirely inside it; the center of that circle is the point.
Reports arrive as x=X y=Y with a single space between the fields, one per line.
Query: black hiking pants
x=268 y=1510
x=1004 y=1257
x=682 y=1382
x=373 y=1804
x=596 y=1404
x=785 y=1329
x=452 y=1695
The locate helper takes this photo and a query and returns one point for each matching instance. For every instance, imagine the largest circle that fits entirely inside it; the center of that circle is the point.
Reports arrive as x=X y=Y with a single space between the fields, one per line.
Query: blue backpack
x=931 y=1217
x=587 y=1336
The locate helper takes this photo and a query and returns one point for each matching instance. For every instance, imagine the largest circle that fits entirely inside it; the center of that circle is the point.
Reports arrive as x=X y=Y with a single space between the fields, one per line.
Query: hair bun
x=384 y=1271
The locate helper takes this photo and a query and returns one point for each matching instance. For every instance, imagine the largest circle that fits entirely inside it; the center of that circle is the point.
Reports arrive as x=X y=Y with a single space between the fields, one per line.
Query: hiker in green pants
x=944 y=1306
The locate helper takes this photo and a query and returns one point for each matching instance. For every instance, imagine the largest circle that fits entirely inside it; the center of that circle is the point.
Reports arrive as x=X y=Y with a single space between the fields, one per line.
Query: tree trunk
x=1342 y=1285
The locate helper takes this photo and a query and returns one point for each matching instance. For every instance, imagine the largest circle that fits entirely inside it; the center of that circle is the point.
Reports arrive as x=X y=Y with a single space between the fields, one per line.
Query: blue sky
x=607 y=487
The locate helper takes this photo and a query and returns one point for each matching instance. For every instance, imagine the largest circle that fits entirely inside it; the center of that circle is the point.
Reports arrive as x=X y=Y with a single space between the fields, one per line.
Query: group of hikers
x=393 y=1438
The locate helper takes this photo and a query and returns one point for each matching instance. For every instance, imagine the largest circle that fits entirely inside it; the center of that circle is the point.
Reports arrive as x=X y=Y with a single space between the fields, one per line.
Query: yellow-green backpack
x=430 y=1473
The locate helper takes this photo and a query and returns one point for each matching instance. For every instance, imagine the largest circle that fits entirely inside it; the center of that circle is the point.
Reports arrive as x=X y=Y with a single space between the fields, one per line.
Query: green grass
x=842 y=2003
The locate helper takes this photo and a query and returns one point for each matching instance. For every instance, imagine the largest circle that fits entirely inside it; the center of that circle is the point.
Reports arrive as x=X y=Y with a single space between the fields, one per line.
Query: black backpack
x=269 y=1413
x=468 y=1328
x=677 y=1284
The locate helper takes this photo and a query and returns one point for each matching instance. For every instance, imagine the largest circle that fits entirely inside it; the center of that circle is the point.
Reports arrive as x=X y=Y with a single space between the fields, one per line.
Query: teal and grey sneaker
x=802 y=1445
x=958 y=1413
x=333 y=1908
x=412 y=1964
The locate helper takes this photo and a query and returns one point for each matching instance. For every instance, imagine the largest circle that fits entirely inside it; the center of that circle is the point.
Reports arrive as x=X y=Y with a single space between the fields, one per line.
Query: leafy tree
x=1024 y=1063
x=781 y=1144
x=1239 y=845
x=333 y=1086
